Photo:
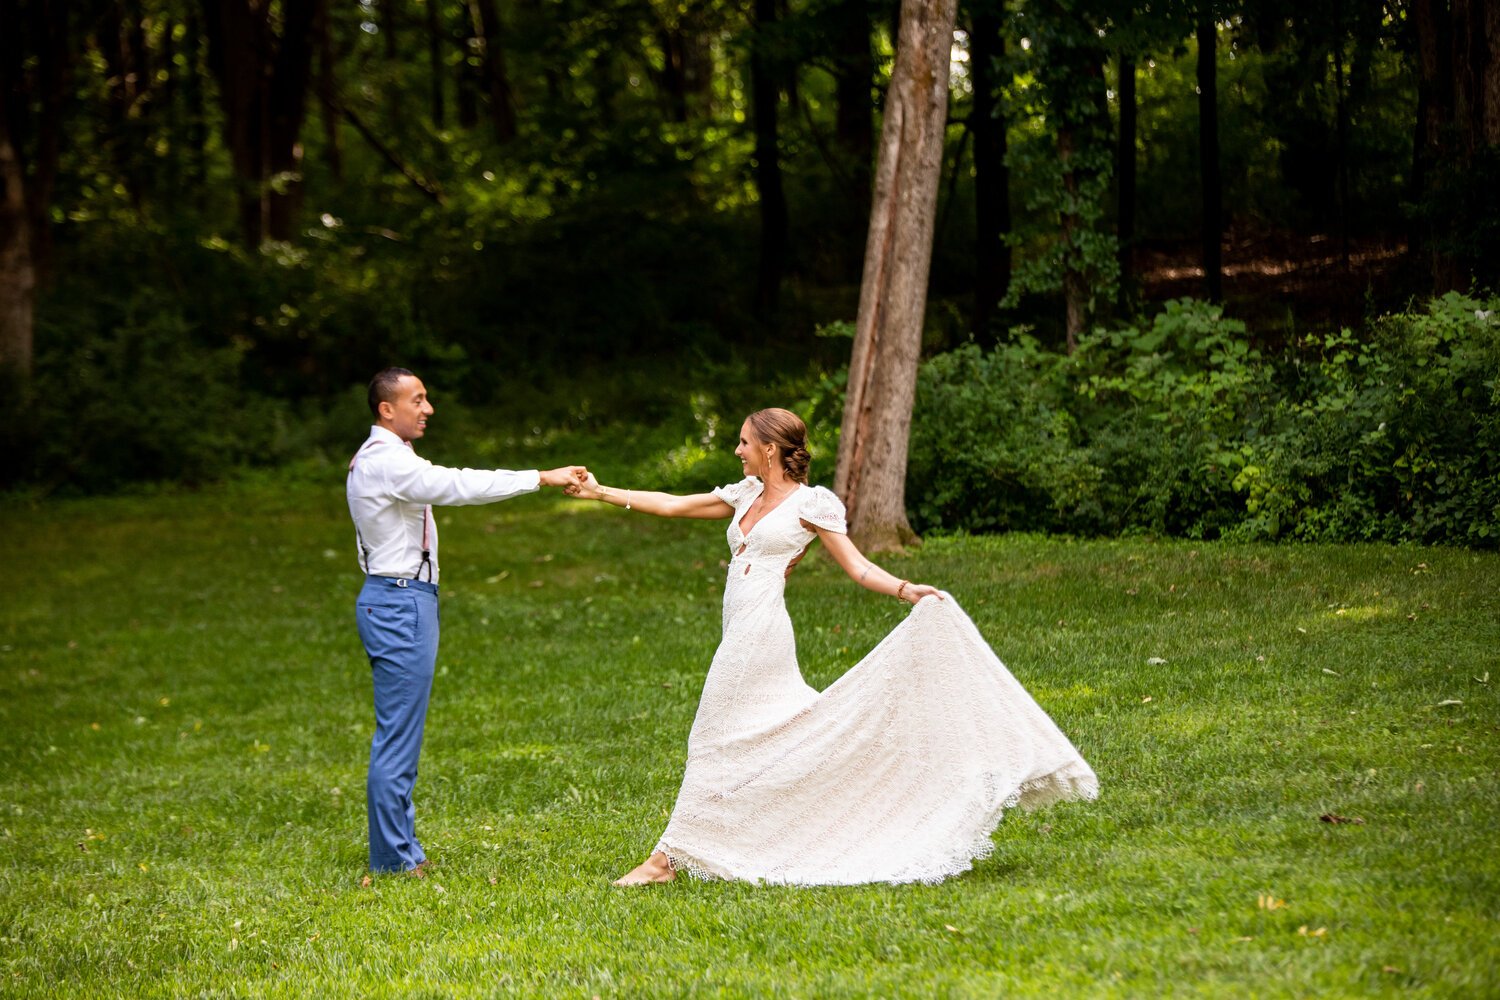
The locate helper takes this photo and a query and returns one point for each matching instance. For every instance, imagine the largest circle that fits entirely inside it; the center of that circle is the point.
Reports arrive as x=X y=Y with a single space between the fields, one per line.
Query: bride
x=898 y=772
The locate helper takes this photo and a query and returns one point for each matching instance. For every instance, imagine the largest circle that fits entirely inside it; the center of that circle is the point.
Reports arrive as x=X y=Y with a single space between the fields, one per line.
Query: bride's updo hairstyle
x=785 y=430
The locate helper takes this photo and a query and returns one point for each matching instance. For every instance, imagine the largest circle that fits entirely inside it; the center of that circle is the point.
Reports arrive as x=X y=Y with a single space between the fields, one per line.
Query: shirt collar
x=379 y=433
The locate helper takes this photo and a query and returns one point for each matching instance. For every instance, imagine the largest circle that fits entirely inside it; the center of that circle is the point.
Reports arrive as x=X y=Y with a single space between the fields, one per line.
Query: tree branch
x=421 y=183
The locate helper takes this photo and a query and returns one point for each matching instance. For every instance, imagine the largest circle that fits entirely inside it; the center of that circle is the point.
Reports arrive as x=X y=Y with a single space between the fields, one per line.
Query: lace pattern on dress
x=822 y=507
x=898 y=772
x=738 y=494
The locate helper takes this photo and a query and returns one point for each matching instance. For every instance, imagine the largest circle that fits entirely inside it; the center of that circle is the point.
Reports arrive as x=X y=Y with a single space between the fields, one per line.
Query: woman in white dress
x=898 y=772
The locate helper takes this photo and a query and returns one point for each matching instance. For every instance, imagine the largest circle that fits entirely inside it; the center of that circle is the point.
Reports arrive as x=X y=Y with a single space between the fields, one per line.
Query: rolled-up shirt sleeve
x=416 y=480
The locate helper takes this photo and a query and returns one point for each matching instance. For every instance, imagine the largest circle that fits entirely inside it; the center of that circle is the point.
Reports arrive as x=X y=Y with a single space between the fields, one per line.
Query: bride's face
x=751 y=451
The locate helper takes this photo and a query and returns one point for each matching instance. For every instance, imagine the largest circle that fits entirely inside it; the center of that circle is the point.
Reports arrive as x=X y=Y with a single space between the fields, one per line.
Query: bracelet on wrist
x=901 y=590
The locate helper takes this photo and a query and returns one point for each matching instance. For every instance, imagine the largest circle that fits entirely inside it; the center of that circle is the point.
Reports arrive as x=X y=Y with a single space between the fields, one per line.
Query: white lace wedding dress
x=899 y=772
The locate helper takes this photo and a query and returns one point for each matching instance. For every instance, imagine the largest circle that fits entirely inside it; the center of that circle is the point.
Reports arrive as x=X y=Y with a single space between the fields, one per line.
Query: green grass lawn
x=185 y=718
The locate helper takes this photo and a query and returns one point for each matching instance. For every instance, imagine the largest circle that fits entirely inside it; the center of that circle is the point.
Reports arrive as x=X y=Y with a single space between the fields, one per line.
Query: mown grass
x=185 y=716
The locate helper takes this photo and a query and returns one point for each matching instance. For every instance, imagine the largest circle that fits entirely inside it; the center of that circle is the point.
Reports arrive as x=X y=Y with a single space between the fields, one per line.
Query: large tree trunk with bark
x=765 y=105
x=17 y=277
x=1208 y=158
x=871 y=475
x=991 y=175
x=263 y=80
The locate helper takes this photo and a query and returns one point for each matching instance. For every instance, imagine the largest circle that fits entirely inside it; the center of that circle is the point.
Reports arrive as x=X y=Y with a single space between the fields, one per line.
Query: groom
x=391 y=495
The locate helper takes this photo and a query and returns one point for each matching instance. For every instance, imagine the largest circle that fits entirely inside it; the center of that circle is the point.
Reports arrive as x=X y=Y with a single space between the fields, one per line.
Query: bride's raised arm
x=865 y=573
x=705 y=506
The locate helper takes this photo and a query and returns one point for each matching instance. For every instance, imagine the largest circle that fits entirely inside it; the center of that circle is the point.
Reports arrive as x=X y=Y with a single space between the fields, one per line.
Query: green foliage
x=139 y=399
x=1392 y=437
x=994 y=445
x=1065 y=158
x=1166 y=409
x=1182 y=428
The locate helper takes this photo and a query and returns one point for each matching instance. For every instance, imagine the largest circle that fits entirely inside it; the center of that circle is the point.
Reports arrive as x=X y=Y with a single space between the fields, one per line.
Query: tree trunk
x=1208 y=158
x=871 y=475
x=192 y=87
x=496 y=76
x=50 y=29
x=765 y=104
x=17 y=277
x=1341 y=133
x=991 y=174
x=854 y=116
x=263 y=82
x=1476 y=74
x=435 y=62
x=1075 y=286
x=466 y=82
x=1434 y=31
x=1125 y=186
x=386 y=18
x=673 y=77
x=602 y=74
x=327 y=93
x=116 y=36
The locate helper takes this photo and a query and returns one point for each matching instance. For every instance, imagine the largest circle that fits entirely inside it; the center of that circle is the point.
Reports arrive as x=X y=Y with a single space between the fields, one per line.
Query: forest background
x=1213 y=269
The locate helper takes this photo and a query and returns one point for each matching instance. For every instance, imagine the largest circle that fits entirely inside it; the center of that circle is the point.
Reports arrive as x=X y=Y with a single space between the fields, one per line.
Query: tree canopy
x=291 y=193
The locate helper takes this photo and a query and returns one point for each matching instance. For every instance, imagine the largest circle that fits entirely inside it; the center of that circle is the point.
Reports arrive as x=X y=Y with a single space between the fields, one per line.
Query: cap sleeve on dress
x=736 y=494
x=823 y=508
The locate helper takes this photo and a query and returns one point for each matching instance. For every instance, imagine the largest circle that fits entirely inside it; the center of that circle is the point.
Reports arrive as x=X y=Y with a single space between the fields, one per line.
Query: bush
x=1181 y=428
x=141 y=398
x=1391 y=438
x=994 y=445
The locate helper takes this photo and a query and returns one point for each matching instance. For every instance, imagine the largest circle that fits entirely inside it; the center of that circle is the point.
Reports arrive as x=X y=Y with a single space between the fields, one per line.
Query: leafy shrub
x=1393 y=437
x=994 y=445
x=140 y=398
x=1179 y=427
x=1166 y=412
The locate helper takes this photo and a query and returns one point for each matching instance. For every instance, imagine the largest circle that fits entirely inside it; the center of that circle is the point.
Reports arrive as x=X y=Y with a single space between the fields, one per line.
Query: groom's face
x=407 y=413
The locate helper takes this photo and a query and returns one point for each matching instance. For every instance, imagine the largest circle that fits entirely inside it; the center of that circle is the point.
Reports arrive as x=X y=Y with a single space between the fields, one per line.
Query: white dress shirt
x=391 y=494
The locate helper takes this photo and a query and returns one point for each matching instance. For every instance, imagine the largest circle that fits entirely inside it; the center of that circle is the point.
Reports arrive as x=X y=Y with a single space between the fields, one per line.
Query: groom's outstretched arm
x=416 y=480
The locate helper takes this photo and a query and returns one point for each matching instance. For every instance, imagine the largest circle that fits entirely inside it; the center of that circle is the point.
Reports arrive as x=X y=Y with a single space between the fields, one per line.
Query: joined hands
x=566 y=477
x=586 y=487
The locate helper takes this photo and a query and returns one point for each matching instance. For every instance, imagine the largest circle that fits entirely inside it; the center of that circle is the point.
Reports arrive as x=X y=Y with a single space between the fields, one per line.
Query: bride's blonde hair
x=786 y=431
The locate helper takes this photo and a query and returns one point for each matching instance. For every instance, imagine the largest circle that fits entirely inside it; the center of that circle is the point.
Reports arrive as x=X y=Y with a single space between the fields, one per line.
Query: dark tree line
x=442 y=125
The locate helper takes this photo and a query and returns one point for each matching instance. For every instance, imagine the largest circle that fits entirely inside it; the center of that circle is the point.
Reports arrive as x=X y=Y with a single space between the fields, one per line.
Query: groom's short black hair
x=383 y=387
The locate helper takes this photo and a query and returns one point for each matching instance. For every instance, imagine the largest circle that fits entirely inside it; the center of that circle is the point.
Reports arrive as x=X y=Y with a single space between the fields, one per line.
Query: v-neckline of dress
x=739 y=522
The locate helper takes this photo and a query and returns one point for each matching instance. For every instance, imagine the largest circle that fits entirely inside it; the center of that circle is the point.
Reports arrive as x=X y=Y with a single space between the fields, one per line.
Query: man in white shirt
x=391 y=495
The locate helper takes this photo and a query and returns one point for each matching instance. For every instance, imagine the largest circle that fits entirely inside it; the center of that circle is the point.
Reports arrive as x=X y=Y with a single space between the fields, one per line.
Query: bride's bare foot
x=654 y=869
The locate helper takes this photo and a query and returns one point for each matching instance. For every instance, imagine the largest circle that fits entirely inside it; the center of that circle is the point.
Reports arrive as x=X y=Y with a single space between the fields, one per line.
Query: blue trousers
x=398 y=624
